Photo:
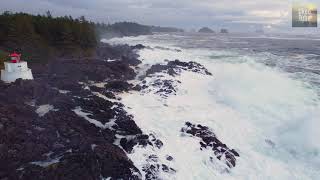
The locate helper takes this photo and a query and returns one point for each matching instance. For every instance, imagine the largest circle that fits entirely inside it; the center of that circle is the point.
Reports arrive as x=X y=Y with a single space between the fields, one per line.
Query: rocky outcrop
x=63 y=126
x=175 y=67
x=152 y=168
x=224 y=31
x=208 y=140
x=166 y=86
x=205 y=30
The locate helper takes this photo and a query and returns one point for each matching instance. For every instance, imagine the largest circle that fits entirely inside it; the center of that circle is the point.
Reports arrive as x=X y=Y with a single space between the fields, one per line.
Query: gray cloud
x=181 y=13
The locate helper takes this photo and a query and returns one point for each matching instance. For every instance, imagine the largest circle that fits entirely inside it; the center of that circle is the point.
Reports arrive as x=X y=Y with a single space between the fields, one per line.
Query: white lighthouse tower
x=15 y=69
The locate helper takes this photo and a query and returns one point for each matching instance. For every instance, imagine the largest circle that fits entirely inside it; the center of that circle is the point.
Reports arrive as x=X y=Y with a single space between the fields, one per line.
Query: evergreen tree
x=39 y=35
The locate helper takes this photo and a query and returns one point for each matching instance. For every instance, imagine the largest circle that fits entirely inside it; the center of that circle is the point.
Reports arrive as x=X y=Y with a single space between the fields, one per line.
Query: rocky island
x=205 y=30
x=224 y=31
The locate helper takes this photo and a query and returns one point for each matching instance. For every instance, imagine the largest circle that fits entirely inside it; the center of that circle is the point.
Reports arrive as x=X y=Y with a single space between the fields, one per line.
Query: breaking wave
x=270 y=116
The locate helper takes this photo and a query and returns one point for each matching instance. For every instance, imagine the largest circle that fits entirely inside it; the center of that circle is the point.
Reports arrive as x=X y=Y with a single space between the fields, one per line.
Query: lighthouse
x=15 y=69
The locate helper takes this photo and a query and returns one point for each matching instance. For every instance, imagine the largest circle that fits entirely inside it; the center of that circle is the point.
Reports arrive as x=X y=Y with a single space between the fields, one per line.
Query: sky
x=238 y=15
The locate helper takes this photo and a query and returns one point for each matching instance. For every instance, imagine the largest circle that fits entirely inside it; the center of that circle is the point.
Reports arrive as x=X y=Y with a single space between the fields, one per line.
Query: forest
x=120 y=29
x=42 y=37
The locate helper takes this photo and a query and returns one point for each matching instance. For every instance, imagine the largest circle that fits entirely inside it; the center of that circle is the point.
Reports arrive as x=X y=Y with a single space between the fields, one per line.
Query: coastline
x=64 y=124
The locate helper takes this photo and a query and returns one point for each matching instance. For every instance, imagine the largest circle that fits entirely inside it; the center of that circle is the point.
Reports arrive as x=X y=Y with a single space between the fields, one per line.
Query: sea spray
x=268 y=115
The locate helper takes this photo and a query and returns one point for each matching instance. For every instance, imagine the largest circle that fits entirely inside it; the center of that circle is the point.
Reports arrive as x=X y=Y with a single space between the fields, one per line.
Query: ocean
x=262 y=100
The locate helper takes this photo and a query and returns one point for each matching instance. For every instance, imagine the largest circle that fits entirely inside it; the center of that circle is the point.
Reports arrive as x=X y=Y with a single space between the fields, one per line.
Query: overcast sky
x=189 y=14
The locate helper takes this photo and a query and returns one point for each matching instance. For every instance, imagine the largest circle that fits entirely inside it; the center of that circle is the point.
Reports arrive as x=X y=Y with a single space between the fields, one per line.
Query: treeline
x=165 y=29
x=43 y=36
x=130 y=29
x=121 y=29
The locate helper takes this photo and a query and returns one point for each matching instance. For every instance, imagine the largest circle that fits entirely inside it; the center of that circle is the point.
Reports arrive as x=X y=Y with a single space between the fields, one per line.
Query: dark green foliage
x=165 y=29
x=130 y=29
x=122 y=29
x=40 y=37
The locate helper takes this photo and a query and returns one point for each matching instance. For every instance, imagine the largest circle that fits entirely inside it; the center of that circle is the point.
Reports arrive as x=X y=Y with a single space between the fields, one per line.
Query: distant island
x=206 y=30
x=165 y=29
x=224 y=31
x=121 y=29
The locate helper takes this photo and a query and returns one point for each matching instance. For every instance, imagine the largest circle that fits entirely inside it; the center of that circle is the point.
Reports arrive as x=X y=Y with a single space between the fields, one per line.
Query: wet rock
x=164 y=87
x=174 y=68
x=153 y=168
x=118 y=86
x=127 y=126
x=270 y=143
x=137 y=88
x=157 y=68
x=115 y=163
x=169 y=158
x=158 y=143
x=104 y=161
x=138 y=46
x=128 y=145
x=141 y=139
x=190 y=66
x=63 y=144
x=210 y=141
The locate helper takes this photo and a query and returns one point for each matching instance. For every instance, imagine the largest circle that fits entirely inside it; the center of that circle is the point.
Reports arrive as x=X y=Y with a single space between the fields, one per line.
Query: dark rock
x=141 y=139
x=115 y=163
x=118 y=86
x=153 y=158
x=67 y=145
x=174 y=67
x=166 y=87
x=169 y=158
x=137 y=88
x=152 y=169
x=138 y=46
x=210 y=141
x=127 y=145
x=205 y=30
x=96 y=89
x=156 y=68
x=158 y=143
x=171 y=72
x=224 y=31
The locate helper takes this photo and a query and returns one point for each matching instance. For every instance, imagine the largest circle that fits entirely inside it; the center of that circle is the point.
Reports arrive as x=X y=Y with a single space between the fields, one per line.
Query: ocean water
x=262 y=100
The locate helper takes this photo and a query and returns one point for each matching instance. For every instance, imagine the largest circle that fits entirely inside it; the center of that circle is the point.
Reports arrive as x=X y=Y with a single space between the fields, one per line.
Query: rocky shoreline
x=63 y=125
x=69 y=123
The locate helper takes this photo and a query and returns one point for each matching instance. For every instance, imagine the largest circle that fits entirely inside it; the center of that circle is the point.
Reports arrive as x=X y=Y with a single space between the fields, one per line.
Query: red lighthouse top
x=15 y=57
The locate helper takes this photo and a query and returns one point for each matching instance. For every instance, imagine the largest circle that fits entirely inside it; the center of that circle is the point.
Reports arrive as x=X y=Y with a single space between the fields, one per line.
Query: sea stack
x=15 y=69
x=224 y=31
x=206 y=30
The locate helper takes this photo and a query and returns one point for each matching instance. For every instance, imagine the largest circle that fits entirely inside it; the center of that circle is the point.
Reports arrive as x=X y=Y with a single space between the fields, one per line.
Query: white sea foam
x=85 y=115
x=44 y=109
x=271 y=119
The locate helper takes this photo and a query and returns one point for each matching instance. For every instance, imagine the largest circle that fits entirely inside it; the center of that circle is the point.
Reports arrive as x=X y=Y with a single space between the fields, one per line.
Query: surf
x=269 y=116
